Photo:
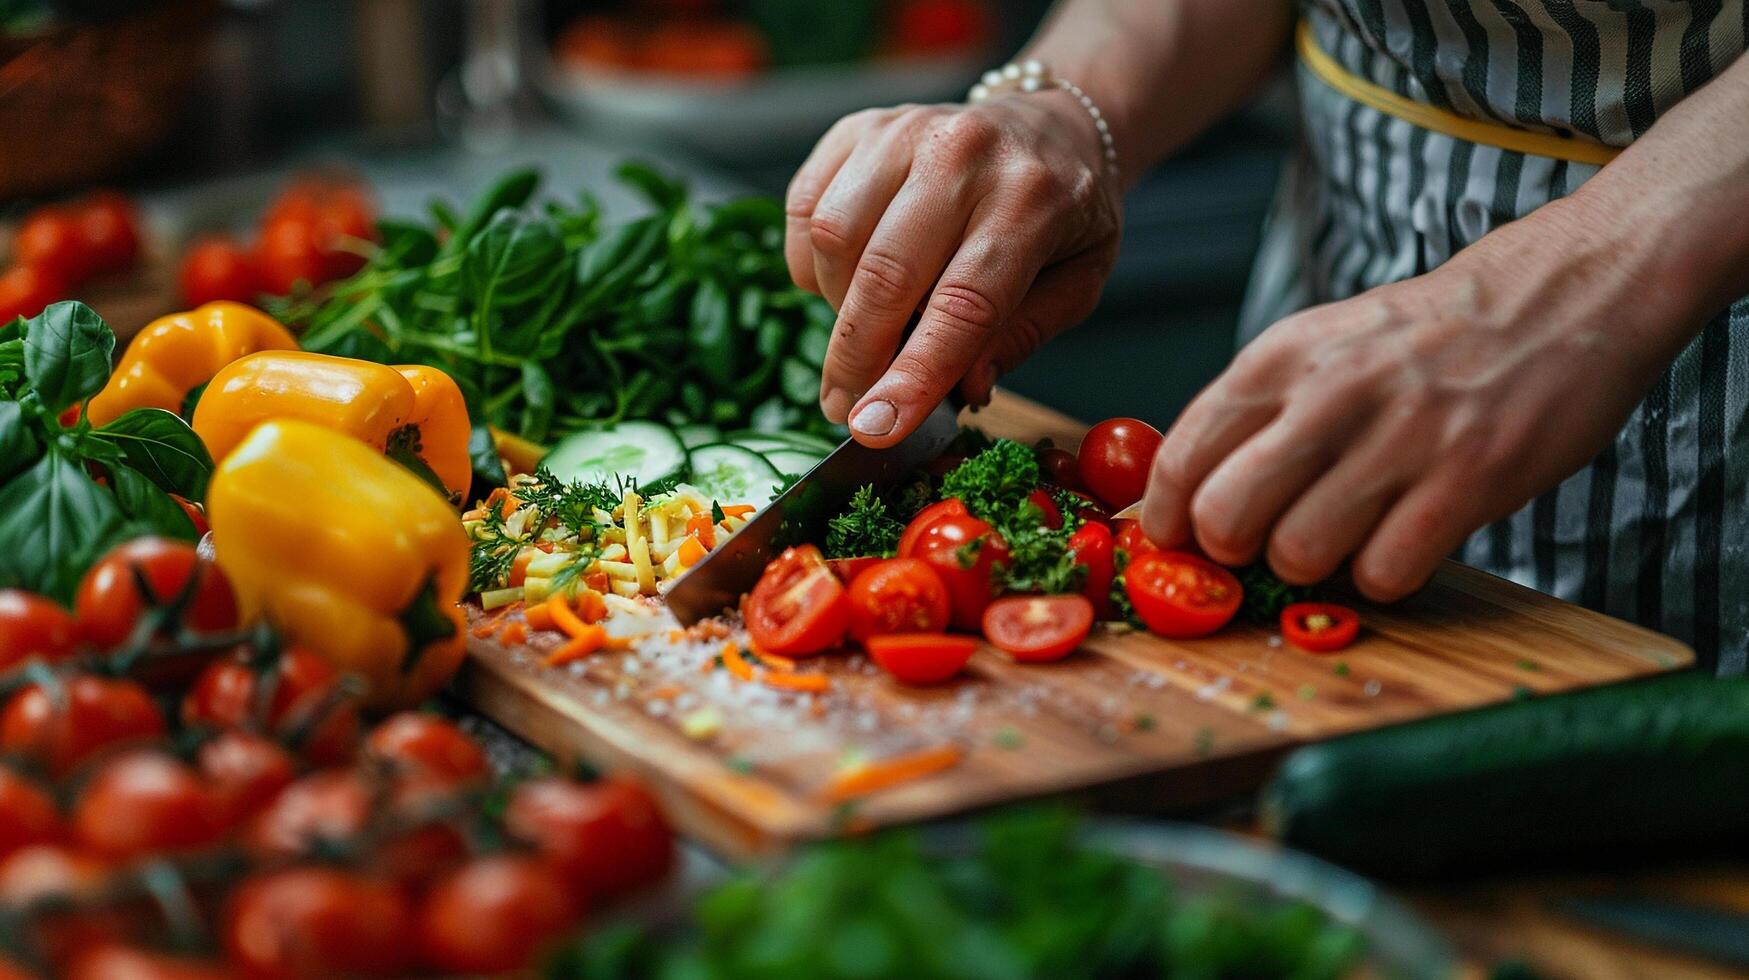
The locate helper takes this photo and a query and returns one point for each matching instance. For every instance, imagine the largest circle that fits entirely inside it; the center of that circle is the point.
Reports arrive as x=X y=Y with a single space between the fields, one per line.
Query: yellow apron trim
x=1438 y=120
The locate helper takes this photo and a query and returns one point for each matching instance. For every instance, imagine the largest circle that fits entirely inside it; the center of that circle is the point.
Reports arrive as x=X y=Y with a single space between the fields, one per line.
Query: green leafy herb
x=994 y=483
x=867 y=527
x=1266 y=595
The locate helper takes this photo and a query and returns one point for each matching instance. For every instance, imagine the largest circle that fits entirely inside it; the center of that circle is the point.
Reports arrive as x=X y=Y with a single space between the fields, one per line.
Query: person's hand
x=996 y=219
x=1390 y=426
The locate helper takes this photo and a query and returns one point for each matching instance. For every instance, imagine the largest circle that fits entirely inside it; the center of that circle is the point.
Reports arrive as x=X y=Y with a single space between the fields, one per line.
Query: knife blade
x=799 y=514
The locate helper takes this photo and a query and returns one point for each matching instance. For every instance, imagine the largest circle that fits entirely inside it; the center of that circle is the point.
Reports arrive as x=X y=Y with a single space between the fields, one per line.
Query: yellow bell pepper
x=346 y=553
x=175 y=354
x=413 y=413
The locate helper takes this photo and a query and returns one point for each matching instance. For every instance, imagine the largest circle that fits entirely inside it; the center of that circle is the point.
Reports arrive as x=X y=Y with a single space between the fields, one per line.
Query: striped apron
x=1656 y=528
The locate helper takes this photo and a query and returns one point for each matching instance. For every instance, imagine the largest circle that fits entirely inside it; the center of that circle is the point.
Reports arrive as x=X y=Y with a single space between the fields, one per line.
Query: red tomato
x=847 y=569
x=109 y=229
x=415 y=742
x=1092 y=548
x=144 y=802
x=1319 y=627
x=934 y=26
x=1115 y=458
x=218 y=267
x=26 y=289
x=1049 y=514
x=495 y=914
x=109 y=600
x=311 y=234
x=345 y=224
x=1038 y=628
x=703 y=48
x=965 y=552
x=606 y=837
x=27 y=814
x=1180 y=595
x=900 y=595
x=49 y=238
x=71 y=882
x=951 y=507
x=317 y=921
x=798 y=607
x=286 y=256
x=244 y=773
x=33 y=626
x=920 y=659
x=59 y=730
x=332 y=809
x=115 y=961
x=1131 y=539
x=1060 y=468
x=306 y=707
x=196 y=513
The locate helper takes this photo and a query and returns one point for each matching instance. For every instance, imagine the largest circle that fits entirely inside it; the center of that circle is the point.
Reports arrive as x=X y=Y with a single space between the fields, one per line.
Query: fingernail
x=876 y=419
x=835 y=404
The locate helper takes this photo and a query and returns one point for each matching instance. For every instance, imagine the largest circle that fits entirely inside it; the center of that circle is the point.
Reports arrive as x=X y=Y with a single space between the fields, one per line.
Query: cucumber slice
x=798 y=440
x=761 y=444
x=642 y=451
x=734 y=475
x=698 y=434
x=792 y=462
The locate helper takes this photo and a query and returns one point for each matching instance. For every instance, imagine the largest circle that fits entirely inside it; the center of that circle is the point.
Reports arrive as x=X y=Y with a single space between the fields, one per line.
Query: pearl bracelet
x=1032 y=76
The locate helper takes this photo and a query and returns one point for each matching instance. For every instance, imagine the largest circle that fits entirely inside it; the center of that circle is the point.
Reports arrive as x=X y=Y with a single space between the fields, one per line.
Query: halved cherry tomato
x=33 y=626
x=847 y=569
x=109 y=229
x=799 y=607
x=1131 y=539
x=415 y=742
x=951 y=507
x=1051 y=516
x=921 y=658
x=1092 y=548
x=899 y=595
x=495 y=914
x=218 y=267
x=1181 y=595
x=965 y=552
x=26 y=289
x=244 y=772
x=1038 y=628
x=1115 y=458
x=145 y=802
x=1319 y=627
x=305 y=704
x=607 y=837
x=63 y=728
x=316 y=921
x=27 y=813
x=109 y=599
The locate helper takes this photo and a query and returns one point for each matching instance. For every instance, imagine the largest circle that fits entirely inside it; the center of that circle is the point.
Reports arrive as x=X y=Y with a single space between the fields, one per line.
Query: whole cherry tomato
x=899 y=595
x=920 y=659
x=244 y=773
x=109 y=229
x=1061 y=468
x=1181 y=595
x=317 y=921
x=61 y=729
x=798 y=608
x=495 y=914
x=26 y=289
x=218 y=267
x=307 y=706
x=607 y=837
x=286 y=256
x=49 y=238
x=965 y=552
x=27 y=814
x=415 y=742
x=951 y=507
x=1038 y=628
x=67 y=886
x=33 y=626
x=1115 y=458
x=335 y=808
x=1093 y=549
x=145 y=802
x=109 y=601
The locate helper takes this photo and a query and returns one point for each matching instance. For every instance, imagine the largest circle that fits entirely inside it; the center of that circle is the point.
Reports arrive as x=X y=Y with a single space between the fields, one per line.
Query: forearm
x=1163 y=70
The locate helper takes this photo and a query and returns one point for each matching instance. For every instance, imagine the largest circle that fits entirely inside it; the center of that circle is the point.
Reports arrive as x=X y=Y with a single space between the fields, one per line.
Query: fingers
x=806 y=188
x=1063 y=295
x=1335 y=516
x=1425 y=526
x=1233 y=509
x=905 y=255
x=850 y=209
x=1214 y=424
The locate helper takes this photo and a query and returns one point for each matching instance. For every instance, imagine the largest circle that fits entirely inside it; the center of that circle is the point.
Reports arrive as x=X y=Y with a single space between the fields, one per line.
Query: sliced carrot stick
x=772 y=661
x=797 y=682
x=737 y=665
x=700 y=526
x=885 y=773
x=539 y=619
x=738 y=510
x=691 y=551
x=578 y=647
x=514 y=633
x=591 y=606
x=564 y=618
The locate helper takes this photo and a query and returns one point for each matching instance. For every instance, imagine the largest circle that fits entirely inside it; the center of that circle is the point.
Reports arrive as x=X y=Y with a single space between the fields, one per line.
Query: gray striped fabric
x=1656 y=529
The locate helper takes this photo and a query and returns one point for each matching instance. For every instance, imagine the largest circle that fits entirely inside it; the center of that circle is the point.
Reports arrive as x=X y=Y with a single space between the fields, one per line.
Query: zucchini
x=641 y=451
x=734 y=475
x=1617 y=770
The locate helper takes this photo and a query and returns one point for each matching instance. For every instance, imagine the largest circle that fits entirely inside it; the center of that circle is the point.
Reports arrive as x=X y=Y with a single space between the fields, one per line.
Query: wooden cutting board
x=1154 y=723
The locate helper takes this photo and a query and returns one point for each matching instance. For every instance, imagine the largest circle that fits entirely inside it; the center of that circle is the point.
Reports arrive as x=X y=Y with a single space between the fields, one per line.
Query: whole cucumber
x=1616 y=770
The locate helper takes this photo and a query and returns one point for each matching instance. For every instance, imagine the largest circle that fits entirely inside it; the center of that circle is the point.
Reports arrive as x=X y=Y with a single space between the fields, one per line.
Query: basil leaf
x=608 y=265
x=52 y=518
x=67 y=350
x=19 y=446
x=711 y=330
x=665 y=193
x=538 y=396
x=163 y=448
x=488 y=466
x=149 y=506
x=508 y=192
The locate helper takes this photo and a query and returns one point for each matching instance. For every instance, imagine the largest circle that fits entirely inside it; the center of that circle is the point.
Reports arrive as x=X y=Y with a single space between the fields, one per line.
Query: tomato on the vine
x=317 y=921
x=334 y=808
x=495 y=914
x=307 y=706
x=898 y=595
x=145 y=802
x=607 y=837
x=1181 y=595
x=27 y=813
x=1115 y=458
x=920 y=659
x=798 y=608
x=1038 y=628
x=415 y=742
x=1319 y=627
x=32 y=625
x=63 y=728
x=965 y=552
x=117 y=961
x=244 y=772
x=109 y=602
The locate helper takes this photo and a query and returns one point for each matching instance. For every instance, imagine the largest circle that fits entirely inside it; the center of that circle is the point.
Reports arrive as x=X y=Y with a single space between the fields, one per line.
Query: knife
x=799 y=514
x=1717 y=934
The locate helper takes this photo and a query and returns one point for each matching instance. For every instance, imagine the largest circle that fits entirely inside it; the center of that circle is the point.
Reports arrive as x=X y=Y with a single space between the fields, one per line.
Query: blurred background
x=200 y=109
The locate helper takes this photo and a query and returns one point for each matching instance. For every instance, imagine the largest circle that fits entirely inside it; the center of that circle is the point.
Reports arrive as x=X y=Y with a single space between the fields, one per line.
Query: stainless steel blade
x=800 y=513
